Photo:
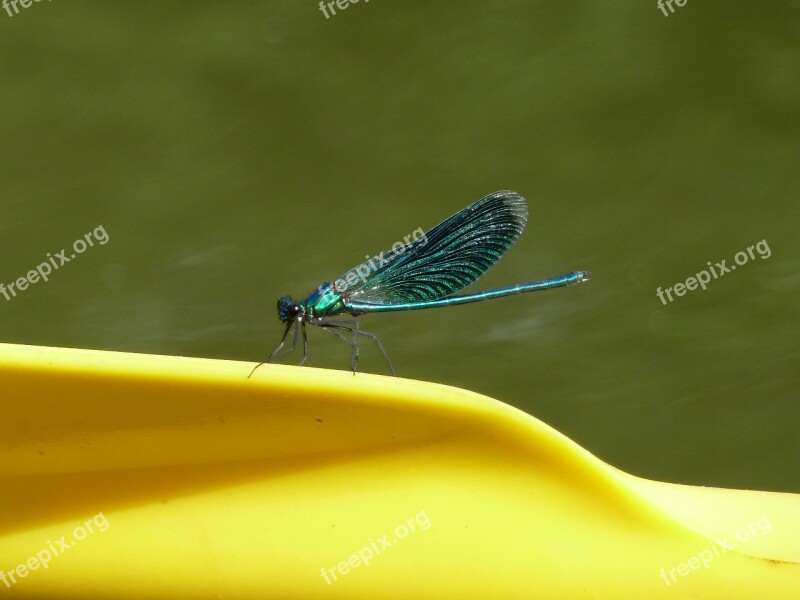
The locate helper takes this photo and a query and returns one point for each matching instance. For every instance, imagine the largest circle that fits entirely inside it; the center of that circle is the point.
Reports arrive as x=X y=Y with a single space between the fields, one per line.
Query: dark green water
x=237 y=151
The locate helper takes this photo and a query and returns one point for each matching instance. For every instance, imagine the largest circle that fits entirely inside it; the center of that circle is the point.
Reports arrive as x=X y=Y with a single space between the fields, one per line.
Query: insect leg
x=277 y=350
x=352 y=326
x=305 y=342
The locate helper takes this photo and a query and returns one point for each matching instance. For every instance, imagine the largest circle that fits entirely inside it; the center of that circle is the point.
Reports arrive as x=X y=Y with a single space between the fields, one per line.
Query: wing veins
x=449 y=257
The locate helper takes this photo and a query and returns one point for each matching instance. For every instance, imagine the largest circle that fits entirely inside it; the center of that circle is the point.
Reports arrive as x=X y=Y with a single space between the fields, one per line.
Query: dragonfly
x=423 y=273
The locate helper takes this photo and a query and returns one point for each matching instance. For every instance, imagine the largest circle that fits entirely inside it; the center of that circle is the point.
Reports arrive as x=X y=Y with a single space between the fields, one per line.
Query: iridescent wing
x=444 y=260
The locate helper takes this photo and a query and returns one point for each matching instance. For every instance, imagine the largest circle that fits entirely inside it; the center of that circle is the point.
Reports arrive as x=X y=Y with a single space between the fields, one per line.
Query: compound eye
x=294 y=310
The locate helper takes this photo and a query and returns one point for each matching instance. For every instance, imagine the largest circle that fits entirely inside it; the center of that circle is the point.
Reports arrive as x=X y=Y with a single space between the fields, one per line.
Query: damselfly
x=423 y=273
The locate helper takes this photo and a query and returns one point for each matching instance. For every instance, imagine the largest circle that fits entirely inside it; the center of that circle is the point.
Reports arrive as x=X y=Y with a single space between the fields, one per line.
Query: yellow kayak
x=141 y=476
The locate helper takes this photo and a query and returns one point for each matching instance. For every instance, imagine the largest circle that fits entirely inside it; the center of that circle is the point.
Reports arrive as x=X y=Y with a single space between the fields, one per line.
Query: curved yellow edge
x=165 y=477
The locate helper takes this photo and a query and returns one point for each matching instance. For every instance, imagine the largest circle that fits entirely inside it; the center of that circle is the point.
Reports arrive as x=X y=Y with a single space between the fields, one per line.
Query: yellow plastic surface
x=200 y=483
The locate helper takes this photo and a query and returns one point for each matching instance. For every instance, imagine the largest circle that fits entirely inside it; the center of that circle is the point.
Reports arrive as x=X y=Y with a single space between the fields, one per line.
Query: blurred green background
x=238 y=151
